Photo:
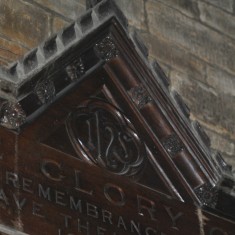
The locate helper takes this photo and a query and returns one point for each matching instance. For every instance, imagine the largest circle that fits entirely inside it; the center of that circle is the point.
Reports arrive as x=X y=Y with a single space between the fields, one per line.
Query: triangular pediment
x=88 y=101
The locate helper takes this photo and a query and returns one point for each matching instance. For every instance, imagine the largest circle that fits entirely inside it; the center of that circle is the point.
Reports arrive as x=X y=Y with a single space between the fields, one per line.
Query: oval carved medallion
x=102 y=135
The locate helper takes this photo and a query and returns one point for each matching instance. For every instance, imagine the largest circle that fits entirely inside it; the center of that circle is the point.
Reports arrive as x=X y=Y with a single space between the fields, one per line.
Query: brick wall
x=194 y=41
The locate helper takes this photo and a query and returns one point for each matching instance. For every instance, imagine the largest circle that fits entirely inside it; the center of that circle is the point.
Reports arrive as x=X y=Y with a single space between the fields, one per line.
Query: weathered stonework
x=20 y=19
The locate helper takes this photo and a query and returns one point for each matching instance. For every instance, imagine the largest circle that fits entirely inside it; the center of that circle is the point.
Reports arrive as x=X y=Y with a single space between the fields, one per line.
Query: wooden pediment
x=93 y=141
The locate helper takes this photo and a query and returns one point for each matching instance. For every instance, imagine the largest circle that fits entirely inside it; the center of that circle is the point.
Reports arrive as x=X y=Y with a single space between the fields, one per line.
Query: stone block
x=226 y=5
x=198 y=39
x=187 y=7
x=82 y=2
x=205 y=104
x=4 y=62
x=175 y=56
x=221 y=81
x=217 y=19
x=221 y=143
x=134 y=11
x=23 y=22
x=70 y=9
x=165 y=67
x=231 y=161
x=10 y=51
x=58 y=24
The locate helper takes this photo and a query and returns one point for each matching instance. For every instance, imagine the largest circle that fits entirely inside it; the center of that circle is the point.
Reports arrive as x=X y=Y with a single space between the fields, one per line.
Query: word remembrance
x=93 y=141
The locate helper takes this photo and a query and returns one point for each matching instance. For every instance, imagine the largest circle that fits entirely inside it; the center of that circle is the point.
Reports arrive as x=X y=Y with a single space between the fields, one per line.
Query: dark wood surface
x=52 y=193
x=48 y=186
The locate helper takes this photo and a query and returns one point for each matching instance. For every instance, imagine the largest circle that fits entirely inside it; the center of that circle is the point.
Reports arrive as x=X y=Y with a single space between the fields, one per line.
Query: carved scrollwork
x=173 y=144
x=45 y=90
x=102 y=135
x=12 y=115
x=207 y=194
x=106 y=49
x=75 y=70
x=140 y=96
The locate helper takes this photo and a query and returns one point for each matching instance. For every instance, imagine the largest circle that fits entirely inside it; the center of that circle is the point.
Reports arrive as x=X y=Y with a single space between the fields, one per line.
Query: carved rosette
x=102 y=135
x=12 y=115
x=75 y=70
x=140 y=96
x=106 y=49
x=173 y=144
x=207 y=194
x=45 y=90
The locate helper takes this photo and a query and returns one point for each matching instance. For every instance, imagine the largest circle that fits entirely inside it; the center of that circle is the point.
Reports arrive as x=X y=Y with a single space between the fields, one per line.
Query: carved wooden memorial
x=94 y=143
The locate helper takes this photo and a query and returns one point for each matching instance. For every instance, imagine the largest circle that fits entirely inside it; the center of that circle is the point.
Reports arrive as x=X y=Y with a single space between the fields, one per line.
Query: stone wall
x=194 y=41
x=26 y=23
